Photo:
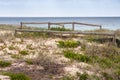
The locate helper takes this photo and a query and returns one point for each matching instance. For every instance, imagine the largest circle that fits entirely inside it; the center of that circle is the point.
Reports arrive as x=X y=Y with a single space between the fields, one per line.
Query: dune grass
x=59 y=29
x=4 y=63
x=76 y=56
x=17 y=76
x=68 y=44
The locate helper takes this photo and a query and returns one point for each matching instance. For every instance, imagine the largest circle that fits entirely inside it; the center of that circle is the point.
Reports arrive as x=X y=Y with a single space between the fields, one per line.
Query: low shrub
x=16 y=56
x=17 y=76
x=4 y=63
x=103 y=51
x=32 y=35
x=59 y=29
x=68 y=44
x=11 y=47
x=29 y=61
x=76 y=56
x=24 y=52
x=107 y=76
x=83 y=76
x=68 y=77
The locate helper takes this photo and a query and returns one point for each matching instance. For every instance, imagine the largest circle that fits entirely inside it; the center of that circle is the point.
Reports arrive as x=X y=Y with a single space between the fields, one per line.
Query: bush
x=11 y=47
x=76 y=56
x=29 y=61
x=83 y=76
x=107 y=76
x=68 y=44
x=104 y=51
x=4 y=64
x=17 y=76
x=24 y=52
x=59 y=29
x=67 y=78
x=16 y=56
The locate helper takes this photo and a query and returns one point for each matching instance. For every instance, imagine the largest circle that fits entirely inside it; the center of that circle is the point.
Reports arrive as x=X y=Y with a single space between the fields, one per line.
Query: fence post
x=73 y=26
x=21 y=25
x=100 y=27
x=49 y=25
x=114 y=39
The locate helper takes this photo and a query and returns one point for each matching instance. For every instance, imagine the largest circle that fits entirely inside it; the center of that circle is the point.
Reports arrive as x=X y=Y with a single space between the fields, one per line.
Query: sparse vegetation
x=68 y=44
x=24 y=52
x=97 y=54
x=4 y=63
x=29 y=46
x=11 y=47
x=76 y=56
x=68 y=77
x=16 y=56
x=59 y=29
x=29 y=61
x=32 y=35
x=83 y=76
x=17 y=76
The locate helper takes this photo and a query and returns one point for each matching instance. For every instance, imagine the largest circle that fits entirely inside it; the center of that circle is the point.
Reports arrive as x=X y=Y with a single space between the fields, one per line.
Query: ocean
x=112 y=23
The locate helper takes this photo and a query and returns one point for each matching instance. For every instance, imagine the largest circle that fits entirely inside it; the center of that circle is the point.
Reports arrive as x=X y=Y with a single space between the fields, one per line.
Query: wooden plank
x=87 y=24
x=52 y=23
x=34 y=22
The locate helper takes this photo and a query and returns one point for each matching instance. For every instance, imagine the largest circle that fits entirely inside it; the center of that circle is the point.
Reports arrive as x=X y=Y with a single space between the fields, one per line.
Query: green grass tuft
x=59 y=29
x=16 y=56
x=76 y=56
x=11 y=47
x=17 y=76
x=4 y=64
x=68 y=44
x=24 y=52
x=29 y=61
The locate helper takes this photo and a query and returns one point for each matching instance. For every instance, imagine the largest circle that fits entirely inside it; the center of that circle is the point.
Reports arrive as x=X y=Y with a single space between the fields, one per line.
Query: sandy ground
x=52 y=62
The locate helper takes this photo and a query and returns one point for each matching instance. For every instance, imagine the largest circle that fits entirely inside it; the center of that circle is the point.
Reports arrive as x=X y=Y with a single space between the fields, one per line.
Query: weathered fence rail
x=61 y=24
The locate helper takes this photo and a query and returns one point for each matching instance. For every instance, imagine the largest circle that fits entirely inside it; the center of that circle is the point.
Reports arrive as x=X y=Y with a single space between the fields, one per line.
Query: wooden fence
x=66 y=32
x=61 y=24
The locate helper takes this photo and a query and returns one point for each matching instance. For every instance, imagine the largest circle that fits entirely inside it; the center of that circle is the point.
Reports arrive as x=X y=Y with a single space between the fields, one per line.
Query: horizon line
x=60 y=16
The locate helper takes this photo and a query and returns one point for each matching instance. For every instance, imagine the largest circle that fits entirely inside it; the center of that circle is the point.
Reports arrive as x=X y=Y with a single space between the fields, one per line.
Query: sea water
x=111 y=23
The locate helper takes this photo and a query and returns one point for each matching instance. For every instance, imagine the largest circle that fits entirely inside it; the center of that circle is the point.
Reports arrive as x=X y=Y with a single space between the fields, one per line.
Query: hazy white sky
x=59 y=8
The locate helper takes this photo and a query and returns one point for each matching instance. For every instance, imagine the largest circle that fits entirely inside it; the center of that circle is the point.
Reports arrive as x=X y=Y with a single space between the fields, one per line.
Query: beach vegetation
x=17 y=76
x=32 y=35
x=29 y=46
x=24 y=52
x=59 y=29
x=11 y=47
x=4 y=63
x=29 y=61
x=16 y=56
x=68 y=44
x=75 y=56
x=67 y=77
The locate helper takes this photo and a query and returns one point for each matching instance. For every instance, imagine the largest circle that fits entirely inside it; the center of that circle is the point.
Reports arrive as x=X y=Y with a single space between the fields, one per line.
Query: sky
x=59 y=8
